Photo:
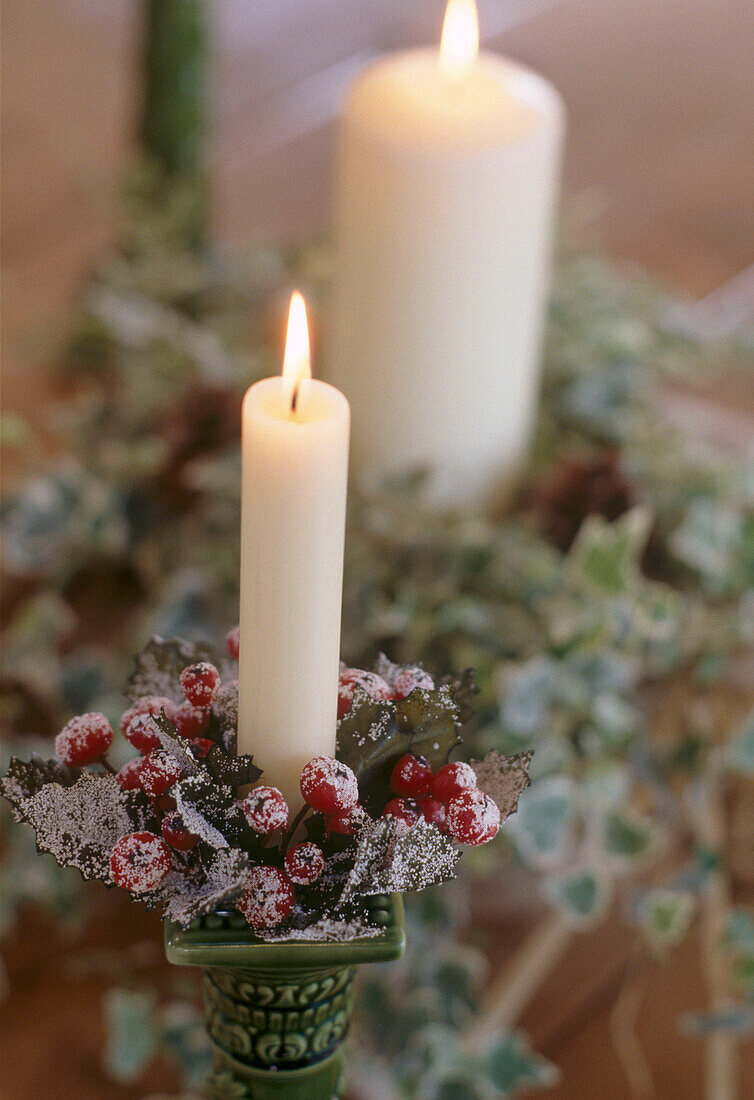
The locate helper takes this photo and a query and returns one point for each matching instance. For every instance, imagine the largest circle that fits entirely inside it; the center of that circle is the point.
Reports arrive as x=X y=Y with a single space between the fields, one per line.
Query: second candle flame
x=459 y=44
x=297 y=359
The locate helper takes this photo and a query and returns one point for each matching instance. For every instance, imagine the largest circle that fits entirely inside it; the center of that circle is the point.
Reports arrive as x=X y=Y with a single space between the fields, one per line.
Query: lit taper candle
x=447 y=175
x=293 y=506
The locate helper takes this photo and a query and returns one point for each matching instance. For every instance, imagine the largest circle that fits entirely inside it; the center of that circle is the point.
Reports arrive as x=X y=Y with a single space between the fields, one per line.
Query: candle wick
x=294 y=398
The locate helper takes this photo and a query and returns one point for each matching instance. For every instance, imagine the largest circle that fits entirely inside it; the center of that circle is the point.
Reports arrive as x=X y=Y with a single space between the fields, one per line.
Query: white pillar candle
x=445 y=191
x=293 y=504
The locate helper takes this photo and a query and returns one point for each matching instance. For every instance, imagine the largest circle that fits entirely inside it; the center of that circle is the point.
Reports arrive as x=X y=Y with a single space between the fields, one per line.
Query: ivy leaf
x=80 y=824
x=664 y=916
x=740 y=751
x=605 y=555
x=374 y=735
x=158 y=667
x=223 y=881
x=206 y=808
x=133 y=1037
x=627 y=837
x=543 y=826
x=582 y=895
x=503 y=778
x=511 y=1065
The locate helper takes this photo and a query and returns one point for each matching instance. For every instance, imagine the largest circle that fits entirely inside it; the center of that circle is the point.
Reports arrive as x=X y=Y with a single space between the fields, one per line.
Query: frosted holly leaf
x=387 y=669
x=503 y=778
x=204 y=807
x=387 y=861
x=25 y=778
x=175 y=745
x=231 y=771
x=225 y=712
x=223 y=881
x=159 y=665
x=419 y=858
x=372 y=852
x=373 y=736
x=80 y=824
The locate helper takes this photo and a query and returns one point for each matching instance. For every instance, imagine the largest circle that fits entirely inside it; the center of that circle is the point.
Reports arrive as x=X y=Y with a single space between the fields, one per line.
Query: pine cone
x=581 y=486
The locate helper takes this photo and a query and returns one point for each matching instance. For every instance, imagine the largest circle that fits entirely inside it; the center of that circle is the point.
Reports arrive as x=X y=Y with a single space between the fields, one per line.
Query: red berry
x=190 y=721
x=142 y=733
x=404 y=809
x=200 y=746
x=84 y=739
x=166 y=803
x=152 y=705
x=347 y=823
x=158 y=772
x=329 y=786
x=200 y=683
x=128 y=776
x=265 y=809
x=434 y=812
x=267 y=898
x=232 y=640
x=411 y=776
x=451 y=780
x=176 y=834
x=473 y=818
x=304 y=863
x=350 y=678
x=139 y=862
x=409 y=679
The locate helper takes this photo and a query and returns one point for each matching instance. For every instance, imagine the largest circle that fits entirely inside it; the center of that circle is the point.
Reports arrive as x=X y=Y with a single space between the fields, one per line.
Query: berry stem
x=286 y=842
x=107 y=765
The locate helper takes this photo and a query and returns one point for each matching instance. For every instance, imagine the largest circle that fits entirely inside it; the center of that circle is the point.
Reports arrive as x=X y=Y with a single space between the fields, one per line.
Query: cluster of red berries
x=448 y=798
x=376 y=687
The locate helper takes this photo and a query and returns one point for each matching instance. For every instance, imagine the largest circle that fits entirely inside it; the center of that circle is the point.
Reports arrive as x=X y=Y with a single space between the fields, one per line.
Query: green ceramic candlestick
x=277 y=1013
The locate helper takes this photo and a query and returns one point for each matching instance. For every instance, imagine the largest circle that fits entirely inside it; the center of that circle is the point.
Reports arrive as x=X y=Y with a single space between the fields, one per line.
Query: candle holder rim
x=235 y=947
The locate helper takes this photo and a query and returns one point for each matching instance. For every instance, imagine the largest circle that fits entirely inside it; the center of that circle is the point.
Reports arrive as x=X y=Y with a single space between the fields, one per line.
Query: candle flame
x=297 y=359
x=459 y=44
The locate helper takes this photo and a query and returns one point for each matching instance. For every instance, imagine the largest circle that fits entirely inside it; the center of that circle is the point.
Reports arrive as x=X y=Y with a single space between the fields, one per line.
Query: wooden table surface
x=660 y=98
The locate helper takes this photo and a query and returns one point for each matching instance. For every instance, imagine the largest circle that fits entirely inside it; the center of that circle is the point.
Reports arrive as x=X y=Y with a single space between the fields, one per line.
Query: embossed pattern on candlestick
x=278 y=1019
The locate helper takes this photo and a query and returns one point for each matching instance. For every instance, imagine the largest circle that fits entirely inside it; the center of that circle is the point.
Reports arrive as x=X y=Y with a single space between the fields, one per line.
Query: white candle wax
x=295 y=467
x=445 y=190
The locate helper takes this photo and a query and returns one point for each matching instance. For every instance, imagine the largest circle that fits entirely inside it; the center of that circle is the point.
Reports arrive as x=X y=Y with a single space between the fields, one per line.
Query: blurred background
x=659 y=173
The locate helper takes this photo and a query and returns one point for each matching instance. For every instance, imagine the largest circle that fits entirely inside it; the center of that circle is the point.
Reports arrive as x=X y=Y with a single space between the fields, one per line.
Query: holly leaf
x=222 y=883
x=503 y=778
x=174 y=744
x=25 y=778
x=231 y=771
x=80 y=824
x=373 y=736
x=225 y=713
x=204 y=808
x=387 y=861
x=374 y=844
x=158 y=667
x=421 y=857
